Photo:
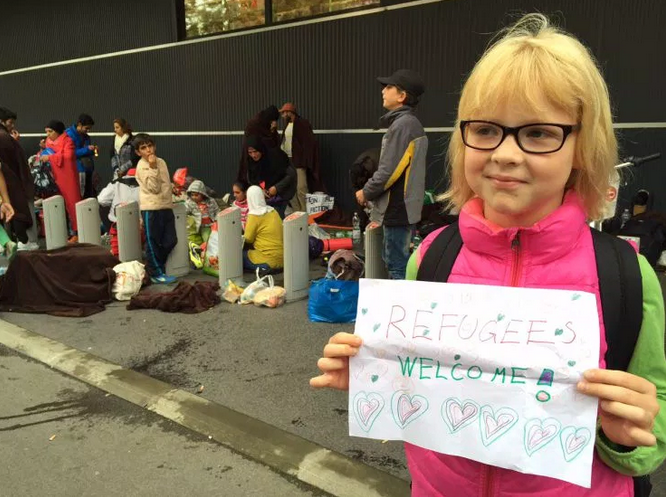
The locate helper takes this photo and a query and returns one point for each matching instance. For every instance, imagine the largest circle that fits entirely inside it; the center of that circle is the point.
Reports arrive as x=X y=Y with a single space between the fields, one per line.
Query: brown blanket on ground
x=75 y=281
x=186 y=298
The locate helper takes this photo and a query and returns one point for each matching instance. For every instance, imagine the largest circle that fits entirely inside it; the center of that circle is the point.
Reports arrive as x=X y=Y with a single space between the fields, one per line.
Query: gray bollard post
x=374 y=244
x=296 y=256
x=89 y=221
x=178 y=263
x=129 y=232
x=230 y=246
x=55 y=222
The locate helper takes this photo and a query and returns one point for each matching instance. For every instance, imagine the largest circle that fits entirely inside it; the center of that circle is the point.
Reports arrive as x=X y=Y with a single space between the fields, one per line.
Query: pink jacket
x=556 y=253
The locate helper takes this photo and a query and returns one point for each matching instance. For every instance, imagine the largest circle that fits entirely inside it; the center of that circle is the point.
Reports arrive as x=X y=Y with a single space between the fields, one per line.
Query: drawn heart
x=375 y=370
x=457 y=414
x=374 y=378
x=571 y=363
x=575 y=296
x=500 y=317
x=364 y=311
x=357 y=369
x=495 y=424
x=558 y=332
x=367 y=407
x=433 y=305
x=406 y=408
x=539 y=433
x=573 y=441
x=376 y=327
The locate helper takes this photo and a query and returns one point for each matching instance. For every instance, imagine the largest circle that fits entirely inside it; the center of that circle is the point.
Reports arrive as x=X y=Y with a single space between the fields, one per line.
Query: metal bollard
x=296 y=256
x=178 y=262
x=55 y=222
x=374 y=244
x=129 y=232
x=89 y=221
x=230 y=245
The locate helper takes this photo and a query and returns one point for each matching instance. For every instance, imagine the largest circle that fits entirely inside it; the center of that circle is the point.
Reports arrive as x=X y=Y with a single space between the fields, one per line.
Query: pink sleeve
x=425 y=244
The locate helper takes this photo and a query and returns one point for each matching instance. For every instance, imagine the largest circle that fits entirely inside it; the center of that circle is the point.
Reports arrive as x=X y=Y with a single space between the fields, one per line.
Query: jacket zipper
x=516 y=263
x=488 y=477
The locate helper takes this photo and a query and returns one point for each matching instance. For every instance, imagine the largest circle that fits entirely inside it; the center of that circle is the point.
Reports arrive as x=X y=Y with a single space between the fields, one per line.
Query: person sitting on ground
x=240 y=196
x=123 y=157
x=6 y=215
x=202 y=208
x=270 y=169
x=159 y=224
x=84 y=153
x=63 y=167
x=119 y=192
x=264 y=232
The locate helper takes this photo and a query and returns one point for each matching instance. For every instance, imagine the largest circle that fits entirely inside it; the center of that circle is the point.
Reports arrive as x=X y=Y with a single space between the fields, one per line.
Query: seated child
x=240 y=189
x=119 y=192
x=264 y=232
x=202 y=208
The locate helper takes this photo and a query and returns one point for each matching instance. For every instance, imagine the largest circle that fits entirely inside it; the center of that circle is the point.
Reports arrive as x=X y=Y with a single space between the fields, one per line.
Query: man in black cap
x=396 y=189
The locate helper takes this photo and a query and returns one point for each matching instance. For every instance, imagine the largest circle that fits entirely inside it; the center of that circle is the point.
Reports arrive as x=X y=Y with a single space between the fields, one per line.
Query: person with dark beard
x=18 y=178
x=269 y=168
x=264 y=127
x=299 y=142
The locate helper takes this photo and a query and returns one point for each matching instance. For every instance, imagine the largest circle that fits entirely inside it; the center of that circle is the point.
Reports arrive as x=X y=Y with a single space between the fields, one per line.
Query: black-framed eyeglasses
x=535 y=138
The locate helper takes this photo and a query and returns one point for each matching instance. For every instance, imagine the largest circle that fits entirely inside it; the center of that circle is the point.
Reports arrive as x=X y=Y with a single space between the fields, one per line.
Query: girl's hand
x=6 y=212
x=335 y=363
x=44 y=158
x=628 y=405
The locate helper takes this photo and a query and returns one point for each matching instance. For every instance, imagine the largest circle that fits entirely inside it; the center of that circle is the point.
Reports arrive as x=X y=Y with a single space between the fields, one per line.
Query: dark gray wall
x=328 y=69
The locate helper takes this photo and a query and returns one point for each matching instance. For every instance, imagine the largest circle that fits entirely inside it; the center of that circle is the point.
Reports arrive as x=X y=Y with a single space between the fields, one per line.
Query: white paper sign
x=483 y=372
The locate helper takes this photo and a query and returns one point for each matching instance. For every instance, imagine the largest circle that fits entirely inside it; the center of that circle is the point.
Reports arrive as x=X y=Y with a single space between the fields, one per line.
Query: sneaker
x=163 y=279
x=10 y=250
x=195 y=255
x=27 y=246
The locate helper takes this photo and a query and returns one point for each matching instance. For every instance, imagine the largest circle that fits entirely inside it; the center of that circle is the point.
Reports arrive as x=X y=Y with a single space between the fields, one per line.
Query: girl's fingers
x=339 y=350
x=636 y=415
x=619 y=394
x=332 y=364
x=621 y=379
x=321 y=381
x=641 y=438
x=346 y=338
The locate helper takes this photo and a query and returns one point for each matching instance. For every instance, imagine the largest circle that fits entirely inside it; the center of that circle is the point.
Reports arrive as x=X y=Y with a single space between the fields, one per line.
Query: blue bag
x=333 y=301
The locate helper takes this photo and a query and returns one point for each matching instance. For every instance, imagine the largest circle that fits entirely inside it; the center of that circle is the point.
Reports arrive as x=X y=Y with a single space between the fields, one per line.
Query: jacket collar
x=388 y=118
x=547 y=240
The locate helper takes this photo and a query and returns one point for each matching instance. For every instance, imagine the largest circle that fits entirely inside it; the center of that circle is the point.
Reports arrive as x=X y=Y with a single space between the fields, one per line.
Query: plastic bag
x=231 y=292
x=270 y=297
x=211 y=261
x=129 y=278
x=333 y=301
x=248 y=295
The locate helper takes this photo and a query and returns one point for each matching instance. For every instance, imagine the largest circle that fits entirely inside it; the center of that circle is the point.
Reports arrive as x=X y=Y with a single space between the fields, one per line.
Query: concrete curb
x=278 y=449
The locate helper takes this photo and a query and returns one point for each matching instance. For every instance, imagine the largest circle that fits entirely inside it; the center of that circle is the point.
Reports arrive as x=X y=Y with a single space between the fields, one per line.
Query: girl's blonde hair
x=530 y=60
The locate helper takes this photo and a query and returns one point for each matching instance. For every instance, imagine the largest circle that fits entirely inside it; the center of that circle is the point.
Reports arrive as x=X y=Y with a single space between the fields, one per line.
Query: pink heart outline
x=573 y=440
x=406 y=408
x=366 y=408
x=539 y=433
x=457 y=414
x=495 y=424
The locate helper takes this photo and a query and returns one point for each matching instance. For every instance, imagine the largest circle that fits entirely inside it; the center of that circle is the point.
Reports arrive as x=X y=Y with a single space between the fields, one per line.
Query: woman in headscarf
x=123 y=157
x=264 y=232
x=264 y=126
x=63 y=167
x=270 y=169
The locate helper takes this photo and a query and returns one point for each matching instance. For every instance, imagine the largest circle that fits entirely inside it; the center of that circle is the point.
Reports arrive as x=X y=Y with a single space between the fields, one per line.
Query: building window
x=204 y=17
x=285 y=10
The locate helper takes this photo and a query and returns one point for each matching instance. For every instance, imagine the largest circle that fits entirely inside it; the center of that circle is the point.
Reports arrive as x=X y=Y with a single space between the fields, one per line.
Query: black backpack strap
x=621 y=291
x=438 y=260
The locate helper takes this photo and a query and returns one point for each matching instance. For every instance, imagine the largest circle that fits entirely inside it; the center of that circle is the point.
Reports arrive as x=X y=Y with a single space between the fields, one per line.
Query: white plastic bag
x=318 y=202
x=129 y=278
x=211 y=261
x=247 y=297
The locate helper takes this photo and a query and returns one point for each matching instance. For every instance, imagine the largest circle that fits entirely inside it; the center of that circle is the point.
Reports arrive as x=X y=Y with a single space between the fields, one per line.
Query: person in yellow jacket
x=263 y=232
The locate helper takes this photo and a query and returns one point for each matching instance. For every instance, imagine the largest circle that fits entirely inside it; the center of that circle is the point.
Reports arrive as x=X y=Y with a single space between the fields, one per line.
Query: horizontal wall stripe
x=208 y=39
x=335 y=131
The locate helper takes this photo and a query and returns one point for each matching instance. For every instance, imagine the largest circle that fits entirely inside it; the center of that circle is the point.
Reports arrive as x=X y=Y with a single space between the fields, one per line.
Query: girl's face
x=197 y=197
x=117 y=129
x=520 y=188
x=239 y=194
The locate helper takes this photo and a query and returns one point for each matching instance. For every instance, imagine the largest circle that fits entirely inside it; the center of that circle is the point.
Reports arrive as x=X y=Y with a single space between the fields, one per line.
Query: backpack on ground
x=620 y=289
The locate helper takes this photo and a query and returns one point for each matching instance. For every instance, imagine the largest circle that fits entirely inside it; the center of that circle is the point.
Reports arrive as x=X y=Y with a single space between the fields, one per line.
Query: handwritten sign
x=487 y=373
